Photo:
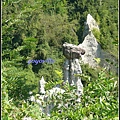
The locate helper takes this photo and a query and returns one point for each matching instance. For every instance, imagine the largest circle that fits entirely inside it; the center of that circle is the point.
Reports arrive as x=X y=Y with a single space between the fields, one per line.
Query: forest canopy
x=36 y=29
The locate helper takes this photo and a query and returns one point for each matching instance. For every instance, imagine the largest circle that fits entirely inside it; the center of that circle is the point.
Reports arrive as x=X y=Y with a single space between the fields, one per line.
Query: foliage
x=9 y=110
x=98 y=102
x=96 y=33
x=36 y=29
x=106 y=15
x=101 y=98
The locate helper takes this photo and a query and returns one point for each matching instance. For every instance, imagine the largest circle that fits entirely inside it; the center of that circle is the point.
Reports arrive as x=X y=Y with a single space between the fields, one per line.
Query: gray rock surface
x=43 y=99
x=89 y=25
x=90 y=44
x=27 y=118
x=72 y=66
x=93 y=49
x=71 y=51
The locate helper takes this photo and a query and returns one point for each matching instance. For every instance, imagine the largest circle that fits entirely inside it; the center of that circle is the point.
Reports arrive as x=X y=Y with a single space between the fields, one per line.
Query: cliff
x=93 y=49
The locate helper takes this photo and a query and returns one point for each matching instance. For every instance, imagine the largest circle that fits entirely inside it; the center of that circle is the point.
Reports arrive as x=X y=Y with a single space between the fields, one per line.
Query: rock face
x=71 y=51
x=27 y=118
x=90 y=44
x=42 y=86
x=89 y=25
x=109 y=62
x=44 y=98
x=72 y=66
x=93 y=48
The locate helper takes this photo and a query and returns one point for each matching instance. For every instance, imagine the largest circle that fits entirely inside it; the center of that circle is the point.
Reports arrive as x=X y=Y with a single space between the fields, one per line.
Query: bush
x=96 y=33
x=99 y=101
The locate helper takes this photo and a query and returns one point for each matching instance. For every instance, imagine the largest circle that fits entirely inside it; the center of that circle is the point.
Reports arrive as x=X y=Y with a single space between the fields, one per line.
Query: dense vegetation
x=36 y=29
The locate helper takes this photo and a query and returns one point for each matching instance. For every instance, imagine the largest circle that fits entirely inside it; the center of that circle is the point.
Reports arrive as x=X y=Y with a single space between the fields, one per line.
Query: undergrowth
x=99 y=102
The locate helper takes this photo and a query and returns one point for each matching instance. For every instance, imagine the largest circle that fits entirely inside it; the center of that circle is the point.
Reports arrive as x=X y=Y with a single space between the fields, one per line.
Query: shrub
x=96 y=33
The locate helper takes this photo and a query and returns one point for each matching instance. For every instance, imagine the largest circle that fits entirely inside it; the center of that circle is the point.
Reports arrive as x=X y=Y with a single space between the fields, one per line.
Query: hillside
x=36 y=30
